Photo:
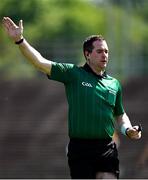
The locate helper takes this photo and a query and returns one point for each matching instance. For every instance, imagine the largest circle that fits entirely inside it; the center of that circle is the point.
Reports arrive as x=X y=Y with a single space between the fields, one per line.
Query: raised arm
x=32 y=55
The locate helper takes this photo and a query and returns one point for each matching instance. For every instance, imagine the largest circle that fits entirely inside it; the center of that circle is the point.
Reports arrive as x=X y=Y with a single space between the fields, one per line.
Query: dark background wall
x=33 y=129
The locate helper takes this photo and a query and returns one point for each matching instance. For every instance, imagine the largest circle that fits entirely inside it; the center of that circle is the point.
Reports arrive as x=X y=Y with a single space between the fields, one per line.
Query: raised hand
x=15 y=32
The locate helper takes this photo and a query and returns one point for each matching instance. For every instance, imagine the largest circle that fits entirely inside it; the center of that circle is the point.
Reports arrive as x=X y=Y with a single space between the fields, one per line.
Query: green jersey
x=93 y=100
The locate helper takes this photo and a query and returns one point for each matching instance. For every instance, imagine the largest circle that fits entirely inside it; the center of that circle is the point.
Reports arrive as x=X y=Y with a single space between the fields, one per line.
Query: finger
x=137 y=135
x=21 y=24
x=5 y=23
x=139 y=128
x=8 y=22
x=5 y=26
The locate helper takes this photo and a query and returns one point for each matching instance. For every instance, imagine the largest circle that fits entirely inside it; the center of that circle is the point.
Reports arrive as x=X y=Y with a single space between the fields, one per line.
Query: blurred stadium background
x=33 y=110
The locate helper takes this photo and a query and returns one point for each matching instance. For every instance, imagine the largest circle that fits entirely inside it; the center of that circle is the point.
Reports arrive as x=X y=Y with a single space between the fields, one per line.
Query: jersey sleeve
x=62 y=72
x=119 y=104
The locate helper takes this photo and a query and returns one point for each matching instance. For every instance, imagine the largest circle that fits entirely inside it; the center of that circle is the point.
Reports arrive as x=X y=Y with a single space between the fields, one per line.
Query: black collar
x=87 y=68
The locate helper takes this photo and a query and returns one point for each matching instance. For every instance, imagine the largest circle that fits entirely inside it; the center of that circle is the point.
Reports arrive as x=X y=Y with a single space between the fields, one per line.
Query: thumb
x=21 y=27
x=21 y=24
x=136 y=127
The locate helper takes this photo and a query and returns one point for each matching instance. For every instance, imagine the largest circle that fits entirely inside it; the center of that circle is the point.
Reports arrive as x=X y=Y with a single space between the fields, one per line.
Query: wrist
x=19 y=41
x=126 y=132
x=124 y=129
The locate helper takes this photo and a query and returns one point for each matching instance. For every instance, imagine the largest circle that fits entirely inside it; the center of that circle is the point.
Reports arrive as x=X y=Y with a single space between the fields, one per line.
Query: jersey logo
x=86 y=84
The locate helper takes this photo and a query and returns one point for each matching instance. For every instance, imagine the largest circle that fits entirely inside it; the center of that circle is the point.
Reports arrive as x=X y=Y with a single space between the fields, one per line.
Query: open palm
x=14 y=31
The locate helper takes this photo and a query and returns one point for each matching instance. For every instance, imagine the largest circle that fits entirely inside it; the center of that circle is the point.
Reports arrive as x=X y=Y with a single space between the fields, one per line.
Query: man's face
x=98 y=58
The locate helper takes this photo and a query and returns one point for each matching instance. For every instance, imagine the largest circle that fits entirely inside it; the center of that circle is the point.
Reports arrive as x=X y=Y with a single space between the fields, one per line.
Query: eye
x=99 y=51
x=106 y=51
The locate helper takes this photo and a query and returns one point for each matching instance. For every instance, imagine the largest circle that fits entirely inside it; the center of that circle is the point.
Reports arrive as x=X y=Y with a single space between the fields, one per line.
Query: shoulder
x=64 y=70
x=113 y=81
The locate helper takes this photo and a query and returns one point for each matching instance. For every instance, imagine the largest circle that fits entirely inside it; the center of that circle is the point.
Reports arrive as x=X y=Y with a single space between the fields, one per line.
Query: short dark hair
x=88 y=43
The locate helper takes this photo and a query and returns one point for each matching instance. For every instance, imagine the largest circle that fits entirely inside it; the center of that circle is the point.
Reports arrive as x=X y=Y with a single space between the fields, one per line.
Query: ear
x=86 y=53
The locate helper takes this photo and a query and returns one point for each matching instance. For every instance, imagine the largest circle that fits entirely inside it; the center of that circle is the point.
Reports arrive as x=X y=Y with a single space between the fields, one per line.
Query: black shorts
x=87 y=157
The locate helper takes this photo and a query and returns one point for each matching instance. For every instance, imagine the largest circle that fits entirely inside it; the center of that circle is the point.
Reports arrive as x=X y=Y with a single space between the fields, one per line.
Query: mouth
x=104 y=61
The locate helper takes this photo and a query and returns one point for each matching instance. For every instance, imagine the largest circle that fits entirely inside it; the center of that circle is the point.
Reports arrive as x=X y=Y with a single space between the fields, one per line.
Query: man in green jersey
x=95 y=105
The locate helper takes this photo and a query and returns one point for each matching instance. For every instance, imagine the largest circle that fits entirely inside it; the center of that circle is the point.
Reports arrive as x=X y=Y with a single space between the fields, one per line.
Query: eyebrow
x=102 y=49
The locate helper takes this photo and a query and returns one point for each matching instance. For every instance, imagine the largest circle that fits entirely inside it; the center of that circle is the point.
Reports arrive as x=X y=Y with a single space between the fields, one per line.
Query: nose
x=104 y=54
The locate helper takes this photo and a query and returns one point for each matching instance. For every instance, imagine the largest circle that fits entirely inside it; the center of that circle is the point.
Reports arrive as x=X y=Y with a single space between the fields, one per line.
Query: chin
x=103 y=67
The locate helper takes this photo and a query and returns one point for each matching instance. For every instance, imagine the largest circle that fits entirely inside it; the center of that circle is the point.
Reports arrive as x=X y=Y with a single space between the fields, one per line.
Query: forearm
x=123 y=123
x=34 y=57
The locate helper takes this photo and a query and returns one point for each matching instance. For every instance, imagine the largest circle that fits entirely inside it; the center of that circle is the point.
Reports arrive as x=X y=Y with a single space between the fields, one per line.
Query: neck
x=96 y=70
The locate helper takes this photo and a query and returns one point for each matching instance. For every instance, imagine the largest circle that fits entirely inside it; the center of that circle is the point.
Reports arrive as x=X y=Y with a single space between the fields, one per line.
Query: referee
x=95 y=105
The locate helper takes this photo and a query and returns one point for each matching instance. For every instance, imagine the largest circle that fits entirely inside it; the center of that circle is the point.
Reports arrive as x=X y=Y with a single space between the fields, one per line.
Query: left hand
x=134 y=132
